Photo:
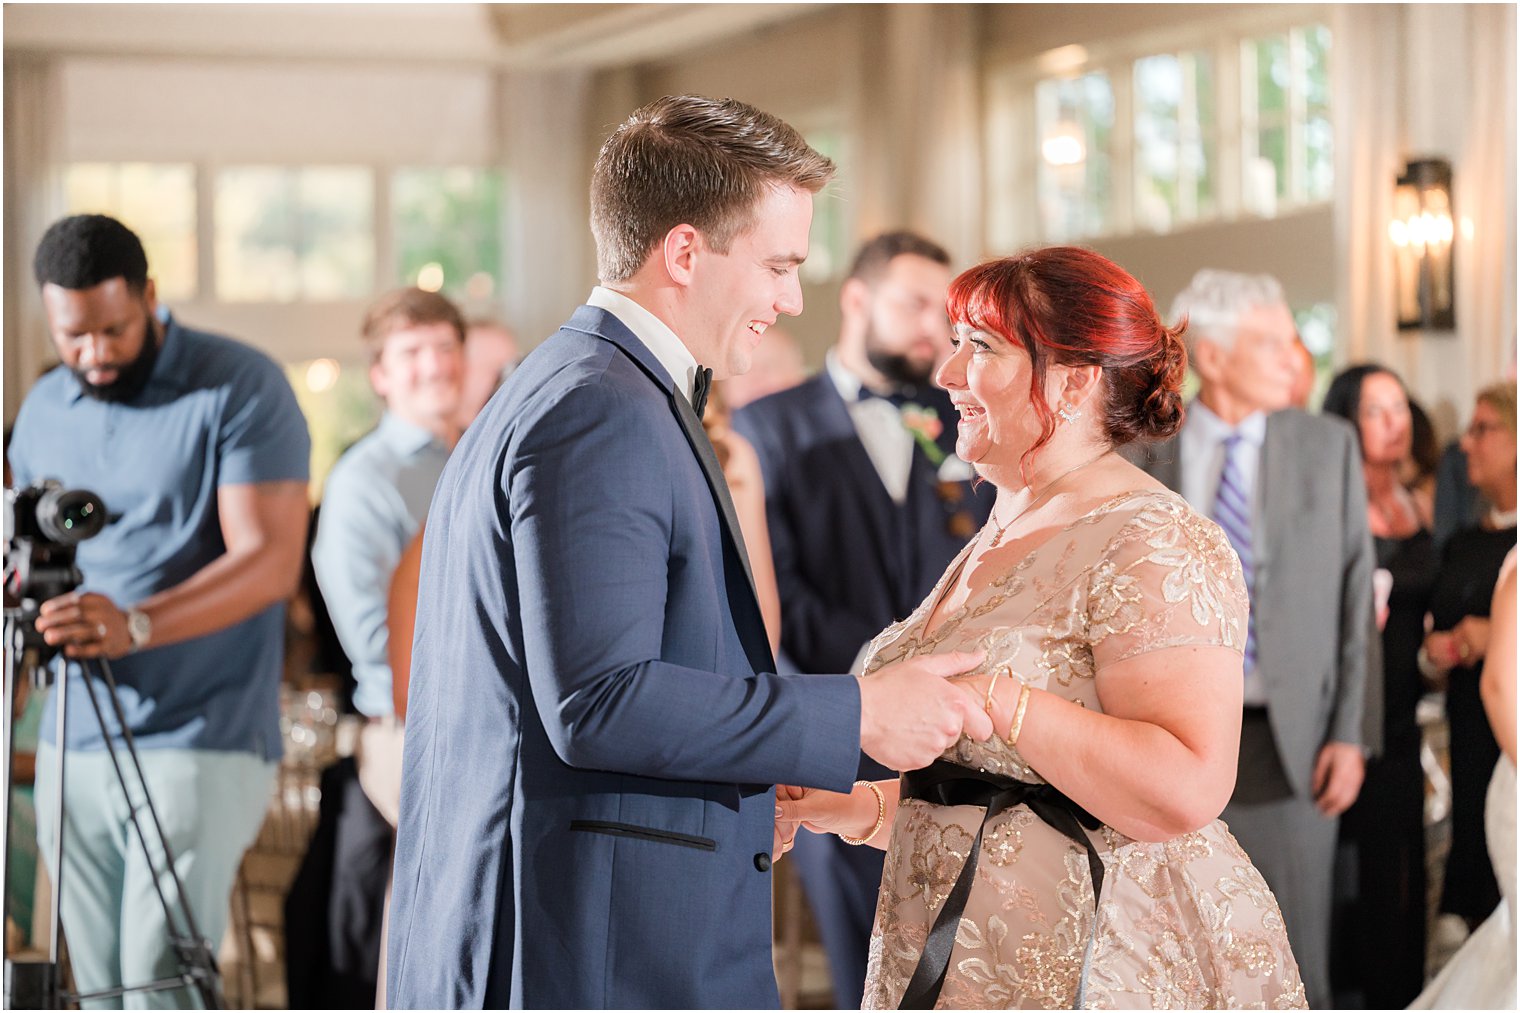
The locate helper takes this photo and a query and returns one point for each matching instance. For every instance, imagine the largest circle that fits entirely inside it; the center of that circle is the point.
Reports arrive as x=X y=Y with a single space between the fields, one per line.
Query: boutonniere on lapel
x=926 y=427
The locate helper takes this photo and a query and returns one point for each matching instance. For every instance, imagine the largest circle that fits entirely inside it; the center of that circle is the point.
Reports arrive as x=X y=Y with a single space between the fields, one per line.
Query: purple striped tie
x=1232 y=512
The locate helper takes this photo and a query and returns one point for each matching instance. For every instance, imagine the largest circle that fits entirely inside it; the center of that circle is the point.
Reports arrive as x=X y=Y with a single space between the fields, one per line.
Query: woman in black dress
x=1453 y=652
x=1378 y=949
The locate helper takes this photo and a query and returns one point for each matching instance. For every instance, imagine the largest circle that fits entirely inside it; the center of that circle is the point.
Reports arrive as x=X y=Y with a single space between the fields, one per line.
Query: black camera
x=44 y=524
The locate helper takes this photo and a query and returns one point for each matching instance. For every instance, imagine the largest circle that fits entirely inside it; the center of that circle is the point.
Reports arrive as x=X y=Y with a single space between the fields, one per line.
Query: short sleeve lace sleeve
x=1168 y=578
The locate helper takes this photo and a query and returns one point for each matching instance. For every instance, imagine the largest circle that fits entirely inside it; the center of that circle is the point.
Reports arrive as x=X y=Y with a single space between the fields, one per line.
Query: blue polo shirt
x=214 y=412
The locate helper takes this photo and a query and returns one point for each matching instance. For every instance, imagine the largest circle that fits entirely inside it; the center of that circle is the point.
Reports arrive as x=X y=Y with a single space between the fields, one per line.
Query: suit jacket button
x=763 y=862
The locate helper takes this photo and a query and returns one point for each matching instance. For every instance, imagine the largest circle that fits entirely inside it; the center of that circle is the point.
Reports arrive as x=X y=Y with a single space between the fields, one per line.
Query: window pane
x=89 y=187
x=255 y=236
x=1319 y=153
x=1317 y=69
x=155 y=201
x=1270 y=167
x=335 y=241
x=1076 y=121
x=1273 y=73
x=288 y=234
x=1203 y=89
x=447 y=228
x=827 y=254
x=1158 y=101
x=1199 y=152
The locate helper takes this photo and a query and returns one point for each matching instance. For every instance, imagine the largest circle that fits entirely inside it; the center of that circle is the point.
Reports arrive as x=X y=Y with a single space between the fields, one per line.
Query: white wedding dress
x=1482 y=973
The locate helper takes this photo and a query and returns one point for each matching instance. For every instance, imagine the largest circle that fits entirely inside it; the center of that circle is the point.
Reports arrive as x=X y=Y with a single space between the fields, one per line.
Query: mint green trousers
x=211 y=805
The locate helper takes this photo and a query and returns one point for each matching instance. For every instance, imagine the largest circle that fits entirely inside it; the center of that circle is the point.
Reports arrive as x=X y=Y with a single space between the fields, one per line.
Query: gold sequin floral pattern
x=1185 y=923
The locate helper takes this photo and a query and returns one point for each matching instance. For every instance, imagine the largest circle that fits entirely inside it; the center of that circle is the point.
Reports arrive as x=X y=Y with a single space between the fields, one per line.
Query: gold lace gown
x=1188 y=923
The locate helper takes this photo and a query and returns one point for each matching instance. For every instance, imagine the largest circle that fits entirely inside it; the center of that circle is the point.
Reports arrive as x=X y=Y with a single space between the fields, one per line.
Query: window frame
x=1012 y=129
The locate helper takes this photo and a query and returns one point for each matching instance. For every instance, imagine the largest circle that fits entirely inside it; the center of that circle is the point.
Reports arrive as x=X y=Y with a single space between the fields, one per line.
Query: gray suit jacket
x=1316 y=637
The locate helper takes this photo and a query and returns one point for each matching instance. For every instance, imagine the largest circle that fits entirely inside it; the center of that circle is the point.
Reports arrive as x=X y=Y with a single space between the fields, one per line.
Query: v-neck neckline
x=955 y=616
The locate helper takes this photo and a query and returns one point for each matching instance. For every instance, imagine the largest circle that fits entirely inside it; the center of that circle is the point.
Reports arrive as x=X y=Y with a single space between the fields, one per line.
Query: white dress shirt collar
x=662 y=342
x=846 y=382
x=1252 y=428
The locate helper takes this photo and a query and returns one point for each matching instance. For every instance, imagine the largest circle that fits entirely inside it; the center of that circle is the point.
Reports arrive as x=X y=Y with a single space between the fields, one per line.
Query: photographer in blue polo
x=198 y=448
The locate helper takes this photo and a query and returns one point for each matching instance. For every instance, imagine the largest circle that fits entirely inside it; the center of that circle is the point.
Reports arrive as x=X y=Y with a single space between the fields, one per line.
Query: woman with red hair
x=1075 y=859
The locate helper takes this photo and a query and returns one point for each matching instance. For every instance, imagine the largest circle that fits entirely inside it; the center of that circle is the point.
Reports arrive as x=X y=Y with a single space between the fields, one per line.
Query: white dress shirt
x=1201 y=445
x=879 y=425
x=656 y=335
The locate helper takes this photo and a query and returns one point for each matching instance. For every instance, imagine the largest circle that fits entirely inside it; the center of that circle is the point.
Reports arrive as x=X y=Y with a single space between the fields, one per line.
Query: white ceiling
x=505 y=35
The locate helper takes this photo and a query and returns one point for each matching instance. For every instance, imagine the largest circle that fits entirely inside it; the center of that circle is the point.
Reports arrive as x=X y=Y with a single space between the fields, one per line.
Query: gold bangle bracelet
x=1018 y=717
x=987 y=704
x=881 y=815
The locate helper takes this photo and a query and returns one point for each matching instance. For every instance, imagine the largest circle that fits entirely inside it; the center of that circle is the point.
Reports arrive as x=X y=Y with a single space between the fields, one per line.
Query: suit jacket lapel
x=1276 y=492
x=708 y=458
x=599 y=323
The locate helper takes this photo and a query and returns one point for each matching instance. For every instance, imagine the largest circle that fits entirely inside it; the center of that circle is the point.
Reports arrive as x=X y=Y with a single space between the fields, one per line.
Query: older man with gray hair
x=1286 y=487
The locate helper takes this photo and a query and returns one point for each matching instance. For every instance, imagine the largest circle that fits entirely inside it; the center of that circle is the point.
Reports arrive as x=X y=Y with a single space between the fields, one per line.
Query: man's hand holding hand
x=910 y=712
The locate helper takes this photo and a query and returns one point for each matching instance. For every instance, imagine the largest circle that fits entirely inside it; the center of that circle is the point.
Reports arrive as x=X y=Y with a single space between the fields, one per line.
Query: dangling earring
x=1068 y=413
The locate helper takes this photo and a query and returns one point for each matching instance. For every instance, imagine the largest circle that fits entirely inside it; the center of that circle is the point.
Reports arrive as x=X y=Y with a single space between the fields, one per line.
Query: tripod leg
x=89 y=908
x=210 y=805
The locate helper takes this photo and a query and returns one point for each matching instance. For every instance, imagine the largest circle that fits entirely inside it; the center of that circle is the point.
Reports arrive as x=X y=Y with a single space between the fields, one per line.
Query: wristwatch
x=139 y=627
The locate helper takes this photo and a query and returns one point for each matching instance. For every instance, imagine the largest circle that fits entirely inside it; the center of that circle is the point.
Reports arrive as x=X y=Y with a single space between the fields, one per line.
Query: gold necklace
x=1003 y=528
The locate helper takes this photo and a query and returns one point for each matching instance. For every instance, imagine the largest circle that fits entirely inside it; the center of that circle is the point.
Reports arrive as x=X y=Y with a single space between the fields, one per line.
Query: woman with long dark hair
x=1378 y=942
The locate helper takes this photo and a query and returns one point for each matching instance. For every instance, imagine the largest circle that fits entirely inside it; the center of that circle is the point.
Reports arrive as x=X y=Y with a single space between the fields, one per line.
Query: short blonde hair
x=1501 y=398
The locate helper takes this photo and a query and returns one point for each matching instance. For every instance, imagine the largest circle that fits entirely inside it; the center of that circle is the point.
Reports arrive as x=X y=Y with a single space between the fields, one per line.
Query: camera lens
x=69 y=516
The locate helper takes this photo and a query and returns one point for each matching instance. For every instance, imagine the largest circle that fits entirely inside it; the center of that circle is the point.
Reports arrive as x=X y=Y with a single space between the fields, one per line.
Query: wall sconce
x=1422 y=233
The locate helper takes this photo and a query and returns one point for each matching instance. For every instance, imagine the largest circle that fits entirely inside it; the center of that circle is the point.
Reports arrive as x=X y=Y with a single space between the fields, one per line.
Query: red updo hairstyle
x=1070 y=306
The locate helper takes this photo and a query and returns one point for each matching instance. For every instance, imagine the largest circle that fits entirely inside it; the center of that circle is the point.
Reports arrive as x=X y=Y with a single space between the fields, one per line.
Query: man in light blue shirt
x=377 y=496
x=200 y=452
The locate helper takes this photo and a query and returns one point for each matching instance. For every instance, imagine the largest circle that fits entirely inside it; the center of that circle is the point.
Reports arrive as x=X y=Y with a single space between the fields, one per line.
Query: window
x=1076 y=117
x=1175 y=145
x=447 y=228
x=1285 y=84
x=294 y=234
x=1148 y=142
x=156 y=201
x=828 y=258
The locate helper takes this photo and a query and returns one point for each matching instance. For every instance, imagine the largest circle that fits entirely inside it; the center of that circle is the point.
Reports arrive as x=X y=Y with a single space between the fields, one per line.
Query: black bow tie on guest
x=700 y=386
x=897 y=397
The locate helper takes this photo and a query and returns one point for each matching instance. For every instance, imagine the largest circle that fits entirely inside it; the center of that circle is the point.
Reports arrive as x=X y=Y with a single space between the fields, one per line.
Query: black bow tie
x=701 y=384
x=896 y=398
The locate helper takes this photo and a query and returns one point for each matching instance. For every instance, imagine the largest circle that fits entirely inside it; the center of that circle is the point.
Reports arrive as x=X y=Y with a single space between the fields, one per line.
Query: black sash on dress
x=949 y=784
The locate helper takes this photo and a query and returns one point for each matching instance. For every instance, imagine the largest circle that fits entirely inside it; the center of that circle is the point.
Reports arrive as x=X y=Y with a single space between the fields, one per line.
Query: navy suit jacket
x=849 y=560
x=593 y=724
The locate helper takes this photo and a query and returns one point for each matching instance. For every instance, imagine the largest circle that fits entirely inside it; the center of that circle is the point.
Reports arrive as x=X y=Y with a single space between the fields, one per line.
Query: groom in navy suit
x=595 y=724
x=867 y=505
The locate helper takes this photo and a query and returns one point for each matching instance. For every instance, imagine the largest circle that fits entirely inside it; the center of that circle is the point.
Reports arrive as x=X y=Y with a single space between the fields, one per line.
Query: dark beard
x=898 y=368
x=132 y=378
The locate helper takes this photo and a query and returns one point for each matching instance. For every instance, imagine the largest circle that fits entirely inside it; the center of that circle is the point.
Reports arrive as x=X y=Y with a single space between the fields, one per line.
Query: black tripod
x=35 y=573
